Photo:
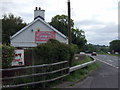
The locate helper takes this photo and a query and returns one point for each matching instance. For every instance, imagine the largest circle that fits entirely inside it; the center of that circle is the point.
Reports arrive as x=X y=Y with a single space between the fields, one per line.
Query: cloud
x=88 y=22
x=98 y=18
x=102 y=35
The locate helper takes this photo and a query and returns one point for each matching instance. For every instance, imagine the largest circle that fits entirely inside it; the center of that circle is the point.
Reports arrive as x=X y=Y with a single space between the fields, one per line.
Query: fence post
x=33 y=67
x=43 y=70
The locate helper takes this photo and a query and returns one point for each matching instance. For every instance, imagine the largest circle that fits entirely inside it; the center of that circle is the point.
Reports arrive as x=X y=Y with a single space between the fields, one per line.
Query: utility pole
x=69 y=23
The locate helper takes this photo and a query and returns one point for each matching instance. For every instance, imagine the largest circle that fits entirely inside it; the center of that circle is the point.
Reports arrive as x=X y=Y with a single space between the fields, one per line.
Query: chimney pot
x=38 y=13
x=39 y=8
x=35 y=8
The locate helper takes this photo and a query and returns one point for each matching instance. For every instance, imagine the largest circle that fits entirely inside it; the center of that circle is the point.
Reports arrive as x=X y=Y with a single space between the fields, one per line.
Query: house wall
x=27 y=37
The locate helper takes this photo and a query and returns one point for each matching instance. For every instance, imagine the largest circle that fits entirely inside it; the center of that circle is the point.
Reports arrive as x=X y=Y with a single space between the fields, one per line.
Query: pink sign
x=19 y=58
x=44 y=35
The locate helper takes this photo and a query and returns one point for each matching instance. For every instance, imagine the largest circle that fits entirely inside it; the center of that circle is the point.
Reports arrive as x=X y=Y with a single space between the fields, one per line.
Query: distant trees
x=10 y=25
x=60 y=22
x=115 y=46
x=97 y=48
x=91 y=48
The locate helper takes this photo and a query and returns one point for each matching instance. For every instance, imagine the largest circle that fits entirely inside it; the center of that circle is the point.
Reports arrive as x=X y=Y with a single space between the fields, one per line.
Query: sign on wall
x=44 y=35
x=19 y=58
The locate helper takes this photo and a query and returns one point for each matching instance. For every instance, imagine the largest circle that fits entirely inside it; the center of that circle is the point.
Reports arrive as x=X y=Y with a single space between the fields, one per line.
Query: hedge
x=53 y=51
x=75 y=48
x=7 y=56
x=50 y=52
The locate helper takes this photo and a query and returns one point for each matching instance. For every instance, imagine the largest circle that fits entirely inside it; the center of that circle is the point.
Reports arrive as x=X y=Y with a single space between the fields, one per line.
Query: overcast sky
x=98 y=18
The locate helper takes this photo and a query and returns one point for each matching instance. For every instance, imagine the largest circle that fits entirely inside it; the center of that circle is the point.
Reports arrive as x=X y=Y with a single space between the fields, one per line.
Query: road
x=110 y=60
x=104 y=77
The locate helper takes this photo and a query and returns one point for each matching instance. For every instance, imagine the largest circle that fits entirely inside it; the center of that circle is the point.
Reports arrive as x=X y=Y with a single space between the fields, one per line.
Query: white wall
x=27 y=37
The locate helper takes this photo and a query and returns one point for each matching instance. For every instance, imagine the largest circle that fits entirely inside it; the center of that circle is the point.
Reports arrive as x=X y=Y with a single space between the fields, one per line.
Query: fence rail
x=17 y=68
x=68 y=70
x=35 y=74
x=64 y=71
x=32 y=83
x=74 y=68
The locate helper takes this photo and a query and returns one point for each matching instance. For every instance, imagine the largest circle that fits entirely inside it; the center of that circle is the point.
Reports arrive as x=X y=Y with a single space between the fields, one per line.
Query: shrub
x=7 y=56
x=53 y=41
x=53 y=51
x=75 y=48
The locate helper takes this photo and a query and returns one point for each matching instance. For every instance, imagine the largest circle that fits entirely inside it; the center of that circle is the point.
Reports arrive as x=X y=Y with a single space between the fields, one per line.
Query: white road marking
x=110 y=60
x=108 y=63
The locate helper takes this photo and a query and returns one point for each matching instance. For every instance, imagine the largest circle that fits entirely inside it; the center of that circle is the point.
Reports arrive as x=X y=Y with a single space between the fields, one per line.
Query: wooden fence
x=38 y=74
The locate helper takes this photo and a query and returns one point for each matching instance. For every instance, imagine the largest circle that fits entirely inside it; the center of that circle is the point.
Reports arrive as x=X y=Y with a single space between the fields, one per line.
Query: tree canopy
x=10 y=25
x=97 y=48
x=60 y=22
x=115 y=46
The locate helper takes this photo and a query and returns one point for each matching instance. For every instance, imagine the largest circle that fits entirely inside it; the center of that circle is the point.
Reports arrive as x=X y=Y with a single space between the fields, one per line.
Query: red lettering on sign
x=44 y=35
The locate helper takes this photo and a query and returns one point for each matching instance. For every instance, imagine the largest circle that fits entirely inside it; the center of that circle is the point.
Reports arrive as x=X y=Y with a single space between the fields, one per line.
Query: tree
x=115 y=46
x=91 y=48
x=10 y=25
x=60 y=22
x=78 y=37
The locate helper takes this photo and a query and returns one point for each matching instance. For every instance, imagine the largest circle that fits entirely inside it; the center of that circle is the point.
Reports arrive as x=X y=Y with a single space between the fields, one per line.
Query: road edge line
x=107 y=63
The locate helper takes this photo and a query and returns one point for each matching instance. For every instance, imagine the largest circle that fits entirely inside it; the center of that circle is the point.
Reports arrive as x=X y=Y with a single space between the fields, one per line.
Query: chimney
x=38 y=13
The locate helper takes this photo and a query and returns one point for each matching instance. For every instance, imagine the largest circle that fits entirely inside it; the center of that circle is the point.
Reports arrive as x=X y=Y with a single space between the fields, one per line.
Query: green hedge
x=7 y=56
x=53 y=51
x=50 y=52
x=75 y=48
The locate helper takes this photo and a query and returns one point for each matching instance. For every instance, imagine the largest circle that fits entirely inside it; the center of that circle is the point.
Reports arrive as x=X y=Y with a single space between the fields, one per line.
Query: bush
x=53 y=41
x=75 y=48
x=7 y=56
x=53 y=51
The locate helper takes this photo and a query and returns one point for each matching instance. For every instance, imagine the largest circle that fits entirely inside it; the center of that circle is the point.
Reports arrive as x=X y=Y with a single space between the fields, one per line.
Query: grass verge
x=82 y=73
x=85 y=59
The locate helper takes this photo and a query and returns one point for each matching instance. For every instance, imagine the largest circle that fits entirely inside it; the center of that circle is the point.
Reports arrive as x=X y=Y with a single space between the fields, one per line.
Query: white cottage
x=37 y=32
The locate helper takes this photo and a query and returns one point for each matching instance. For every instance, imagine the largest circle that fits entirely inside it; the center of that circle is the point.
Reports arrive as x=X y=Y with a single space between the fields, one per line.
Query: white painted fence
x=82 y=65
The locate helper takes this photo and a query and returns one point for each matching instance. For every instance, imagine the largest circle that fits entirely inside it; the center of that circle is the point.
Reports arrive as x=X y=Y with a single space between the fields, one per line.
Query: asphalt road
x=110 y=60
x=104 y=77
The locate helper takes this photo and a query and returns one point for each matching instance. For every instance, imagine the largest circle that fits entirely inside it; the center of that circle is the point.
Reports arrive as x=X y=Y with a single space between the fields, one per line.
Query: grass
x=84 y=60
x=82 y=73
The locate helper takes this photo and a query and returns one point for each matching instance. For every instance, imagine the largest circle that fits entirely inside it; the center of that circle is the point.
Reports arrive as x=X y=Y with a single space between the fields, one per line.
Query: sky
x=97 y=18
